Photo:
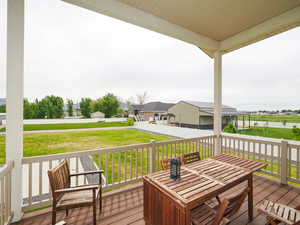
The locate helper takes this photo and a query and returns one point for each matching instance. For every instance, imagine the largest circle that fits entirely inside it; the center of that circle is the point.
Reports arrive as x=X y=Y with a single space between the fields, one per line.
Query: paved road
x=179 y=132
x=191 y=133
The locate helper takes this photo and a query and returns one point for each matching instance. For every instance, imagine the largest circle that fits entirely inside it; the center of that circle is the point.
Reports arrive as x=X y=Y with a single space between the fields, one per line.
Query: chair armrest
x=87 y=173
x=74 y=189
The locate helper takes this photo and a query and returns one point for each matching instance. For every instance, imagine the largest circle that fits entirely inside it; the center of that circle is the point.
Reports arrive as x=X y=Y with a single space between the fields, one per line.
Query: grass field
x=53 y=143
x=65 y=126
x=274 y=118
x=281 y=133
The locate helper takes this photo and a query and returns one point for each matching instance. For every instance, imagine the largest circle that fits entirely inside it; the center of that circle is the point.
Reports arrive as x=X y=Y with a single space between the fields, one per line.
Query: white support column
x=14 y=95
x=218 y=100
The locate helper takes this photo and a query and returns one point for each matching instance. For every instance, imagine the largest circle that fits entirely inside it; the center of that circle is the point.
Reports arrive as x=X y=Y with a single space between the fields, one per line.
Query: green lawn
x=53 y=143
x=274 y=118
x=64 y=126
x=281 y=133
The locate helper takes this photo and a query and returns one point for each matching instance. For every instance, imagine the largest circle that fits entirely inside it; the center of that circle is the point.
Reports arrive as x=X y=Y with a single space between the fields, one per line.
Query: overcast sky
x=74 y=53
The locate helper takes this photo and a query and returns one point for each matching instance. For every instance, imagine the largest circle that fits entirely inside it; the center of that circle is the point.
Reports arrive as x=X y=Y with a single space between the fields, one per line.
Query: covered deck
x=200 y=23
x=126 y=207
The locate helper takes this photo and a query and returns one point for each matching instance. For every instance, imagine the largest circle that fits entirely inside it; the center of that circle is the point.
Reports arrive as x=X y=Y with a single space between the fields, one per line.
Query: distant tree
x=120 y=112
x=109 y=105
x=85 y=107
x=54 y=106
x=28 y=112
x=296 y=132
x=284 y=122
x=70 y=107
x=50 y=107
x=142 y=98
x=95 y=105
x=41 y=109
x=2 y=108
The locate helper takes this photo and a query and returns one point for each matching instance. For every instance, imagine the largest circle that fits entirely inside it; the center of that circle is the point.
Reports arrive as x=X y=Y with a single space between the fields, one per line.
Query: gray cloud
x=73 y=53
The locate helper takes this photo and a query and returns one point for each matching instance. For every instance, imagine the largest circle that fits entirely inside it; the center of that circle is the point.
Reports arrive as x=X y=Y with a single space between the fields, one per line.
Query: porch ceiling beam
x=140 y=18
x=271 y=27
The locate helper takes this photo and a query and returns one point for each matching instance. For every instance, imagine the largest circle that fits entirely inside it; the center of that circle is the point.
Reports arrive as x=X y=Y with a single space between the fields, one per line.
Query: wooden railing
x=5 y=194
x=282 y=157
x=122 y=166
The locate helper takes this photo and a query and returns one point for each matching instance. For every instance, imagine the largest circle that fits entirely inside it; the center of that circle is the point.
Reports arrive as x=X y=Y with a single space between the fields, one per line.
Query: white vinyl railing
x=283 y=158
x=126 y=165
x=122 y=165
x=5 y=194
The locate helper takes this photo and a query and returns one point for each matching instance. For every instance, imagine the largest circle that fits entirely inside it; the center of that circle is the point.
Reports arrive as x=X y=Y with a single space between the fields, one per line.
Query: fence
x=122 y=166
x=5 y=193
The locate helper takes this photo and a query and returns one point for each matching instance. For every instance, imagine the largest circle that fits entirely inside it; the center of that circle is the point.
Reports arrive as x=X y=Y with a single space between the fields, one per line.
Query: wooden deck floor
x=127 y=207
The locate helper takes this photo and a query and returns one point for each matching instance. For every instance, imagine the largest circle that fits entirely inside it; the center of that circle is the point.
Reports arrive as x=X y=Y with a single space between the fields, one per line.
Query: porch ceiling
x=210 y=24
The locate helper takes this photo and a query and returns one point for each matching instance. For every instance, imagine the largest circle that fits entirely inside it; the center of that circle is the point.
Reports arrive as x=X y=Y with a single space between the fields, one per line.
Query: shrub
x=230 y=128
x=130 y=122
x=296 y=131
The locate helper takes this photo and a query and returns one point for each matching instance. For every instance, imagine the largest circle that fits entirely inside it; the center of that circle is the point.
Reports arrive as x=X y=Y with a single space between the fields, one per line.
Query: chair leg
x=94 y=207
x=94 y=213
x=100 y=202
x=218 y=199
x=53 y=216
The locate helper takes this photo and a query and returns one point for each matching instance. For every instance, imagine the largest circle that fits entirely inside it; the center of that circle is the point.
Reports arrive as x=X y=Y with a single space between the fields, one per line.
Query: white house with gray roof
x=196 y=114
x=151 y=110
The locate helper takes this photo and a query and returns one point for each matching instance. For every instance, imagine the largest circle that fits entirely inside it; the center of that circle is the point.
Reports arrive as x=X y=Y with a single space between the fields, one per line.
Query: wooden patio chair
x=206 y=215
x=191 y=157
x=279 y=213
x=165 y=164
x=66 y=197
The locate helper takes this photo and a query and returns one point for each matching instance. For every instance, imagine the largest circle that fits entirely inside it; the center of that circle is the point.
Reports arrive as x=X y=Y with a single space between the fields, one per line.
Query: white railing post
x=218 y=100
x=14 y=95
x=283 y=162
x=153 y=156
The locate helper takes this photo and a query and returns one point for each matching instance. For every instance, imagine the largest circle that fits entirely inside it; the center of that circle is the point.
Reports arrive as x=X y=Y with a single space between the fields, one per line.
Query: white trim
x=14 y=104
x=271 y=27
x=140 y=18
x=218 y=100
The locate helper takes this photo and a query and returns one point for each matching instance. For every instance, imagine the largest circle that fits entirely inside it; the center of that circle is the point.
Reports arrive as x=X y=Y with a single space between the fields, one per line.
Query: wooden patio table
x=169 y=202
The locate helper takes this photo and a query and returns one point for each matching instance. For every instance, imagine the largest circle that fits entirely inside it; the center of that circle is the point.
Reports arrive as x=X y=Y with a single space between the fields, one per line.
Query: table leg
x=250 y=198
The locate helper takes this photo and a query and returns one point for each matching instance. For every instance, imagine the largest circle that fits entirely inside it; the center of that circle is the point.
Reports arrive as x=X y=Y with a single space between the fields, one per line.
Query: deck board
x=126 y=207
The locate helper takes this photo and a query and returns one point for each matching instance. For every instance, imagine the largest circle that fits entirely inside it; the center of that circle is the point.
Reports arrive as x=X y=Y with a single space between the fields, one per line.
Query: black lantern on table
x=175 y=168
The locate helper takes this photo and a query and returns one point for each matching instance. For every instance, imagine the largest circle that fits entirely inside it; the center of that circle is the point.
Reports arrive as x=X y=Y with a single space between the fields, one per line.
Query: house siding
x=184 y=114
x=187 y=115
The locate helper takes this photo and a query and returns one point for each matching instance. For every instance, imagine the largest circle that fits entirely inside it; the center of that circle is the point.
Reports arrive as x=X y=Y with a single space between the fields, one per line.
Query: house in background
x=151 y=111
x=194 y=114
x=98 y=114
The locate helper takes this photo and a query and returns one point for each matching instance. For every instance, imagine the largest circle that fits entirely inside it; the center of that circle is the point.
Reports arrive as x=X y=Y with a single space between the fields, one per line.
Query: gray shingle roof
x=206 y=104
x=208 y=107
x=153 y=107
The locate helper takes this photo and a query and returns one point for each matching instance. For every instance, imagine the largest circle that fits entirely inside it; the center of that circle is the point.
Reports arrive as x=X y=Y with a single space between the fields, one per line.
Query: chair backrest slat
x=191 y=157
x=236 y=202
x=165 y=164
x=59 y=177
